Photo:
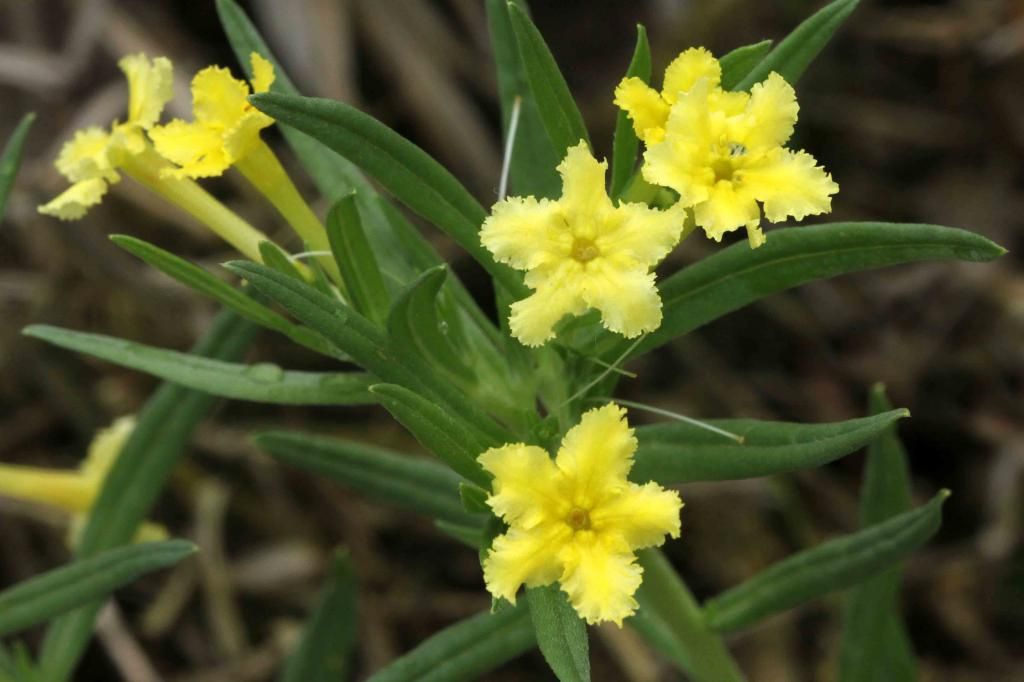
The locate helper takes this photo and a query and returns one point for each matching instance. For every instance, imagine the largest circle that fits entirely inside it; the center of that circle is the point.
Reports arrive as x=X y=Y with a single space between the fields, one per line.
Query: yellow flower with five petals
x=91 y=159
x=577 y=519
x=724 y=152
x=582 y=252
x=226 y=126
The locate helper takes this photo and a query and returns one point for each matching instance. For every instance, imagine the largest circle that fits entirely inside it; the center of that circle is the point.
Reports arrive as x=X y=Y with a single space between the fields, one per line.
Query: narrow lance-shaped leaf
x=794 y=54
x=664 y=595
x=741 y=61
x=325 y=649
x=532 y=167
x=135 y=480
x=231 y=298
x=274 y=257
x=58 y=591
x=558 y=111
x=831 y=566
x=262 y=382
x=561 y=633
x=367 y=345
x=10 y=159
x=414 y=327
x=356 y=260
x=437 y=430
x=875 y=644
x=334 y=176
x=408 y=172
x=408 y=482
x=465 y=651
x=677 y=452
x=625 y=144
x=739 y=275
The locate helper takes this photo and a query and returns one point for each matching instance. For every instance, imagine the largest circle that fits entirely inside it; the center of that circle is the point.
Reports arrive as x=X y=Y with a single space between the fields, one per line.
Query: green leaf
x=438 y=430
x=464 y=651
x=875 y=644
x=17 y=666
x=334 y=176
x=793 y=55
x=367 y=345
x=274 y=257
x=665 y=596
x=325 y=649
x=407 y=171
x=561 y=633
x=532 y=167
x=739 y=275
x=656 y=632
x=741 y=61
x=471 y=536
x=678 y=452
x=473 y=498
x=408 y=482
x=205 y=283
x=833 y=565
x=10 y=159
x=58 y=591
x=558 y=111
x=415 y=328
x=356 y=260
x=625 y=144
x=262 y=382
x=137 y=477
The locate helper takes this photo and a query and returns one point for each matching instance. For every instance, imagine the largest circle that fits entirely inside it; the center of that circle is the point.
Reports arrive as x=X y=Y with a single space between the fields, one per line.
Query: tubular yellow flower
x=723 y=152
x=225 y=133
x=75 y=492
x=577 y=519
x=582 y=252
x=95 y=158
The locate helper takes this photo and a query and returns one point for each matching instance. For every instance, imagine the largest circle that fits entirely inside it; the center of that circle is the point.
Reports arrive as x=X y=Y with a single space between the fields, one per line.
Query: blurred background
x=915 y=108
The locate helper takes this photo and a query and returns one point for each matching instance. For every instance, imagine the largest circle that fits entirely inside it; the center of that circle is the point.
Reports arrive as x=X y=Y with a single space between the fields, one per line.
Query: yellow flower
x=226 y=126
x=577 y=519
x=582 y=252
x=649 y=108
x=75 y=492
x=91 y=159
x=723 y=151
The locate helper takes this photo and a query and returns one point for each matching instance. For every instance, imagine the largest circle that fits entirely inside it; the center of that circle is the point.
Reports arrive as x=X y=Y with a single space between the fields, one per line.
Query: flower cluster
x=721 y=152
x=577 y=519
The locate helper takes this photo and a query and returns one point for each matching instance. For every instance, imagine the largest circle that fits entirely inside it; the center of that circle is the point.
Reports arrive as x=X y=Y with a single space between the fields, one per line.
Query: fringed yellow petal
x=627 y=298
x=86 y=156
x=524 y=557
x=218 y=98
x=770 y=115
x=685 y=70
x=600 y=580
x=583 y=190
x=790 y=184
x=523 y=232
x=240 y=139
x=644 y=236
x=149 y=87
x=597 y=454
x=641 y=514
x=645 y=108
x=726 y=208
x=196 y=147
x=533 y=319
x=525 y=481
x=262 y=73
x=75 y=201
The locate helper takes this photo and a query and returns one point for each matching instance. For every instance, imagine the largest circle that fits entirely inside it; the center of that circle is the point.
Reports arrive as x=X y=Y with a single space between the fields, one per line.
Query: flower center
x=723 y=168
x=584 y=250
x=578 y=519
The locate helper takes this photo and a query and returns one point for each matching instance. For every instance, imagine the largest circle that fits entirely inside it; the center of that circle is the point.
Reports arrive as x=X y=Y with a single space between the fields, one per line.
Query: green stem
x=261 y=167
x=665 y=592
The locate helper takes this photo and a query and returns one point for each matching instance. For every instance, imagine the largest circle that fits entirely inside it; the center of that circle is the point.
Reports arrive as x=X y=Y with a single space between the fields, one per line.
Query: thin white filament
x=506 y=163
x=673 y=415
